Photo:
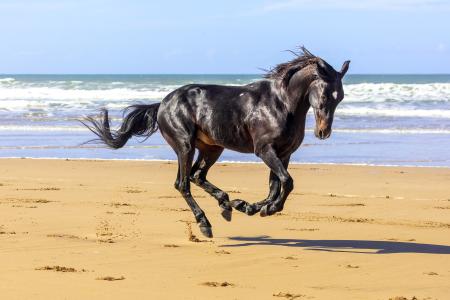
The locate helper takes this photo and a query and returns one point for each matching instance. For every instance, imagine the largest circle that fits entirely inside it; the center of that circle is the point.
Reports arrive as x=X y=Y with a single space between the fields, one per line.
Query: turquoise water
x=383 y=120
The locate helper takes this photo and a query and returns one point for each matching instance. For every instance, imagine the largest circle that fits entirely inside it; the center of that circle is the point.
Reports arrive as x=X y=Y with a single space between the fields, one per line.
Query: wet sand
x=119 y=230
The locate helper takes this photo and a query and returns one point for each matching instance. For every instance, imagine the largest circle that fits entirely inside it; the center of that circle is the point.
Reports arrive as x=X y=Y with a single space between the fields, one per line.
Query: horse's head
x=325 y=93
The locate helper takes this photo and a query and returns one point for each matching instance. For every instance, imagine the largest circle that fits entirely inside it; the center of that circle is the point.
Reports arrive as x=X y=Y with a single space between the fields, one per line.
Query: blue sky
x=99 y=36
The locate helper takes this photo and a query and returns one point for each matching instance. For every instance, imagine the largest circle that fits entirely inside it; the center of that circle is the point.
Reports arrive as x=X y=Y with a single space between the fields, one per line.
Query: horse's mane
x=285 y=71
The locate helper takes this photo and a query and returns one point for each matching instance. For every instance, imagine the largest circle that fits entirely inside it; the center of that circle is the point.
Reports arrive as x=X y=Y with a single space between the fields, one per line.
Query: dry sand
x=118 y=230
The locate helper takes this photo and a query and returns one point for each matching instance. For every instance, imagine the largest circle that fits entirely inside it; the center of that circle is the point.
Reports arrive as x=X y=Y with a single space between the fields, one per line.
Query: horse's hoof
x=206 y=231
x=264 y=210
x=239 y=205
x=268 y=210
x=250 y=210
x=226 y=214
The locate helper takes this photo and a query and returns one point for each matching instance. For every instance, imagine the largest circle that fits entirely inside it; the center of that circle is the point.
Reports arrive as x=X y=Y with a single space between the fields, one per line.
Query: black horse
x=266 y=117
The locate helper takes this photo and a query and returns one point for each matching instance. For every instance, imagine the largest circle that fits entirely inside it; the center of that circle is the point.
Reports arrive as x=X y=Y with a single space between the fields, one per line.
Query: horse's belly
x=226 y=138
x=201 y=136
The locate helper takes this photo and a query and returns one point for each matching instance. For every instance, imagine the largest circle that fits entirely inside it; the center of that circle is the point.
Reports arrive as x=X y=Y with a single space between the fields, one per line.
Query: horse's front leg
x=251 y=209
x=270 y=158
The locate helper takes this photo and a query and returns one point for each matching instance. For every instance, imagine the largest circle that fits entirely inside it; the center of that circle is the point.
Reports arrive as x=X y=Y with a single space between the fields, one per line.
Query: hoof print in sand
x=60 y=269
x=119 y=204
x=171 y=246
x=131 y=190
x=290 y=257
x=404 y=298
x=288 y=296
x=191 y=236
x=66 y=236
x=3 y=231
x=351 y=267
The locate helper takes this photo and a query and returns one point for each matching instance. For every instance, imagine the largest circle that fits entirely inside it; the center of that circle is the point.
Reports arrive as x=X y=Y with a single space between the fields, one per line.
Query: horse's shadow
x=353 y=246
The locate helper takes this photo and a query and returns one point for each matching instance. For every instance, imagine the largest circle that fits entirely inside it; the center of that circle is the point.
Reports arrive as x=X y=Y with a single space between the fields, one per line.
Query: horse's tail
x=140 y=120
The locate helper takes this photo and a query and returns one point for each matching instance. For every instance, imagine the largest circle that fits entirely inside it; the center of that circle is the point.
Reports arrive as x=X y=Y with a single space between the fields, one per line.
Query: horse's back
x=218 y=112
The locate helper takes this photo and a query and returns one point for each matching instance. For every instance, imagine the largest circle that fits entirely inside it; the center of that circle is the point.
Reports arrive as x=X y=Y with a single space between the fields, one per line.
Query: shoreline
x=226 y=162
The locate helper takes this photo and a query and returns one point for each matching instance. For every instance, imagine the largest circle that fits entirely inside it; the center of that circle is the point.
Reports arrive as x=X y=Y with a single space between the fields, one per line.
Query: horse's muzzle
x=322 y=133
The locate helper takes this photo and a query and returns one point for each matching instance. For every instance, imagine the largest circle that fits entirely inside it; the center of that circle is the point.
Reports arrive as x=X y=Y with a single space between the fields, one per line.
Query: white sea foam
x=393 y=112
x=364 y=99
x=6 y=80
x=394 y=130
x=47 y=93
x=59 y=90
x=384 y=92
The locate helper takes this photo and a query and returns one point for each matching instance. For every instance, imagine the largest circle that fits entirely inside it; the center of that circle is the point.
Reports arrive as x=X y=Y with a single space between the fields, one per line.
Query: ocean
x=401 y=120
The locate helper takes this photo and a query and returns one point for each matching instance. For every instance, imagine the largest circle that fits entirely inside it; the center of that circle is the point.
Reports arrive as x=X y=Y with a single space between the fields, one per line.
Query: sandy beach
x=119 y=230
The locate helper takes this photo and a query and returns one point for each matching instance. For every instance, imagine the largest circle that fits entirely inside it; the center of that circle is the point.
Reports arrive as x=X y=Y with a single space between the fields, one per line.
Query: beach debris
x=222 y=252
x=217 y=284
x=431 y=273
x=171 y=246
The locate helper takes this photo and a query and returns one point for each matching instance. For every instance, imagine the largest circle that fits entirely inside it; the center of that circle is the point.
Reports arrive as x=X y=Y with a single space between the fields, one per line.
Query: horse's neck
x=296 y=94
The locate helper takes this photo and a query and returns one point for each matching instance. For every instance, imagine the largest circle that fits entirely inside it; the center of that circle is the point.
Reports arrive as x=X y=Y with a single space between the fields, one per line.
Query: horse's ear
x=344 y=68
x=324 y=69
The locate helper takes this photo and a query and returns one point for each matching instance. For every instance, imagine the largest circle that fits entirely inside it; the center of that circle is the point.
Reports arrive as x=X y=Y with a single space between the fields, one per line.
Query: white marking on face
x=241 y=94
x=334 y=94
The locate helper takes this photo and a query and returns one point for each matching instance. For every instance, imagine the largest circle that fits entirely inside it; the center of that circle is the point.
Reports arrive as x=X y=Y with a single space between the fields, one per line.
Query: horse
x=266 y=117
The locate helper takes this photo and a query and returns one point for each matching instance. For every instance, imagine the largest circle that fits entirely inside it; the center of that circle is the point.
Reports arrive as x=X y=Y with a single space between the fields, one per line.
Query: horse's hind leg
x=182 y=140
x=185 y=158
x=206 y=158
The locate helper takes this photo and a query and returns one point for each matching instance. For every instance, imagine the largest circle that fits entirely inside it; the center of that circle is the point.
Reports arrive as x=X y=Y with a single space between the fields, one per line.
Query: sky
x=233 y=36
